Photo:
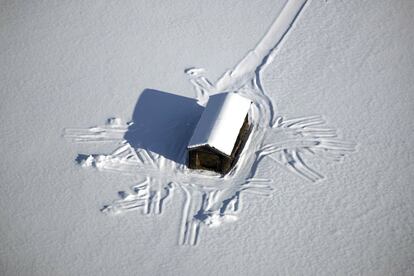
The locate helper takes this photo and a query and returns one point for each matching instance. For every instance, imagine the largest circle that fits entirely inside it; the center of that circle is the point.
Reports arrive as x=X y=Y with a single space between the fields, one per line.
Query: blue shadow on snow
x=163 y=123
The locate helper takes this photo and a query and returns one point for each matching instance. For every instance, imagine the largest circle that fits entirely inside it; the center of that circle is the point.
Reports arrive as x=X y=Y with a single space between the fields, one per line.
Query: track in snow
x=210 y=199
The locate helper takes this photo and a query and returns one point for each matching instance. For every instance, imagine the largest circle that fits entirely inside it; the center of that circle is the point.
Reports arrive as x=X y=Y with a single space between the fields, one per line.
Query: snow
x=340 y=83
x=221 y=122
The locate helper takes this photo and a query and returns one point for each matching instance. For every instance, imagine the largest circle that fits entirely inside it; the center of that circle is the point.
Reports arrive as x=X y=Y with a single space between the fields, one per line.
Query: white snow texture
x=304 y=198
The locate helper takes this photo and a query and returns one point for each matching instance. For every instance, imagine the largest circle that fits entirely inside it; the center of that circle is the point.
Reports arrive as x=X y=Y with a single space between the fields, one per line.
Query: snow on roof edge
x=221 y=121
x=202 y=145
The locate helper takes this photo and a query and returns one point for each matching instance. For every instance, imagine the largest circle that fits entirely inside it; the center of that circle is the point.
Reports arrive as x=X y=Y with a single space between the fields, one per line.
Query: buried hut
x=220 y=134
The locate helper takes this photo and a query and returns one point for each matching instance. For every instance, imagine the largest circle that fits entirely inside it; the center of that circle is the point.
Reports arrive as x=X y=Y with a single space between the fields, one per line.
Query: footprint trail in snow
x=211 y=199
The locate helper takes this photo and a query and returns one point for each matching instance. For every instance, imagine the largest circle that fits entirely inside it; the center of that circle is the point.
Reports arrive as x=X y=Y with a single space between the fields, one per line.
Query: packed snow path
x=211 y=199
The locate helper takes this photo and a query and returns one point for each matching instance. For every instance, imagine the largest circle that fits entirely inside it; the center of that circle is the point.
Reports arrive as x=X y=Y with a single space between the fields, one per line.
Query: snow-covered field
x=99 y=101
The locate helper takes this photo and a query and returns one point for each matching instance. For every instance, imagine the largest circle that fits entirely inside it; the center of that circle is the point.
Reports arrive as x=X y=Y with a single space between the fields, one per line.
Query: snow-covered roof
x=221 y=122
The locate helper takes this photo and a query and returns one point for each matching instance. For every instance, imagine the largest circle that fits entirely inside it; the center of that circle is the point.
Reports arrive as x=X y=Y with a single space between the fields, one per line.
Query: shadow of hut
x=163 y=124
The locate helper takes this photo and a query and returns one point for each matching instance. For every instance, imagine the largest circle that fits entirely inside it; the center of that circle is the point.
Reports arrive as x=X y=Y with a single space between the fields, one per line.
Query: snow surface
x=74 y=64
x=221 y=122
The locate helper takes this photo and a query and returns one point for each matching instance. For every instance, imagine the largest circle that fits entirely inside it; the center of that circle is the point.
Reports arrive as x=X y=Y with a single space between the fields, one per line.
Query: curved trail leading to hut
x=211 y=199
